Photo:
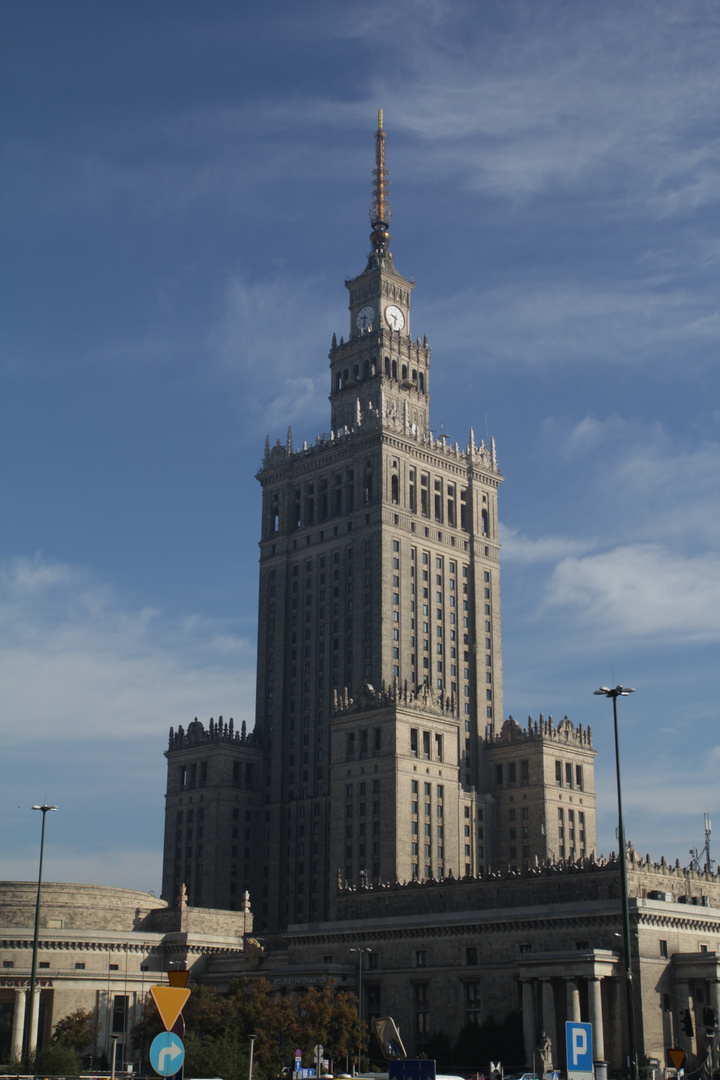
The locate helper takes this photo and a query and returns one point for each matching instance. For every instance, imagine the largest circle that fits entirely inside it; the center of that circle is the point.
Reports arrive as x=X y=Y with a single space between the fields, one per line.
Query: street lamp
x=252 y=1039
x=33 y=971
x=623 y=691
x=360 y=959
x=114 y=1052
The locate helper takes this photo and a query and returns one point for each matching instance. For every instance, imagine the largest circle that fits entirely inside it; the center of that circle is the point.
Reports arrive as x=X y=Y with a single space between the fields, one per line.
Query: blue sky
x=186 y=186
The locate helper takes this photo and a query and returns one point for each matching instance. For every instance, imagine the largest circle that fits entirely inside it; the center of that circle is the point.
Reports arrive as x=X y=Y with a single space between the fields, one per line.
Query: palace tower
x=379 y=752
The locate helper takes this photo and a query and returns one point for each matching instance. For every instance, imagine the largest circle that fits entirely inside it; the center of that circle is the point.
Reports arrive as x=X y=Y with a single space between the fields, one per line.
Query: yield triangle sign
x=170 y=1001
x=677 y=1056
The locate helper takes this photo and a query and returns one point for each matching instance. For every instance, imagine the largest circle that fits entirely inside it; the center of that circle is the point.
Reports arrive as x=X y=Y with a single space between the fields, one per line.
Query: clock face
x=365 y=317
x=395 y=317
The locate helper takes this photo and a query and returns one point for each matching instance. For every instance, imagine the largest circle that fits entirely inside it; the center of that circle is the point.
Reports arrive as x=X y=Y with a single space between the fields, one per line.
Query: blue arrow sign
x=167 y=1053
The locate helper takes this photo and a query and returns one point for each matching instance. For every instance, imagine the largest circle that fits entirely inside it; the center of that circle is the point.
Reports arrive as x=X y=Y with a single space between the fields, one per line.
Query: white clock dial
x=395 y=317
x=365 y=317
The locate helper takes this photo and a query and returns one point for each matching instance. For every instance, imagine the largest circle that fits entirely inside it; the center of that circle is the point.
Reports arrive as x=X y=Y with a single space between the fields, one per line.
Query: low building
x=100 y=949
x=544 y=943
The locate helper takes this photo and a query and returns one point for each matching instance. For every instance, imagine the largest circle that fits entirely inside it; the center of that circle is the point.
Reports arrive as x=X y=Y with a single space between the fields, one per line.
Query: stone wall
x=76 y=907
x=552 y=883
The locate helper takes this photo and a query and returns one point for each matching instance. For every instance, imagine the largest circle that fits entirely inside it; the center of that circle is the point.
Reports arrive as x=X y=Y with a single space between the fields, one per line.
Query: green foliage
x=329 y=1017
x=223 y=1055
x=440 y=1049
x=57 y=1060
x=78 y=1030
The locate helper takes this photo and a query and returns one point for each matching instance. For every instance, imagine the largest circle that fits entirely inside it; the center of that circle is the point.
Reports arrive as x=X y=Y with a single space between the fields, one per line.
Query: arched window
x=404 y=372
x=346 y=375
x=414 y=375
x=356 y=372
x=485 y=530
x=373 y=366
x=395 y=490
x=387 y=366
x=366 y=369
x=338 y=381
x=421 y=383
x=394 y=369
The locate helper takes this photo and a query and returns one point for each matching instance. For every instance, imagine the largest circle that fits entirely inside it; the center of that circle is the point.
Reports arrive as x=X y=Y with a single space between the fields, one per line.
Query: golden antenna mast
x=380 y=207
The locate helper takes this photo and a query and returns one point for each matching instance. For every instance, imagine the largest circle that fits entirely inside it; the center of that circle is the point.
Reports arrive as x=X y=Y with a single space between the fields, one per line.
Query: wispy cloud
x=620 y=322
x=522 y=549
x=270 y=337
x=641 y=591
x=97 y=665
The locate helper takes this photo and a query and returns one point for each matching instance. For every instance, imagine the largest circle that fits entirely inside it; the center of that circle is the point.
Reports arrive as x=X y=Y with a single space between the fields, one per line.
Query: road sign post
x=167 y=1053
x=578 y=1044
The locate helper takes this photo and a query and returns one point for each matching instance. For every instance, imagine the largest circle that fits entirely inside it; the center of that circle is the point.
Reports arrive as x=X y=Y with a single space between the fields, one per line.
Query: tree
x=259 y=1011
x=57 y=1060
x=78 y=1030
x=478 y=1044
x=439 y=1048
x=329 y=1017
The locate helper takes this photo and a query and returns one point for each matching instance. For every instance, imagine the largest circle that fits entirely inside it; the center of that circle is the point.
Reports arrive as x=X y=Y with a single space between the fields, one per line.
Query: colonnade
x=540 y=999
x=21 y=1006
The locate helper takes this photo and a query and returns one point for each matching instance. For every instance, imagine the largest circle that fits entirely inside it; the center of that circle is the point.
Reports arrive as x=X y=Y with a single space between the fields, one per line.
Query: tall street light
x=33 y=971
x=360 y=960
x=623 y=691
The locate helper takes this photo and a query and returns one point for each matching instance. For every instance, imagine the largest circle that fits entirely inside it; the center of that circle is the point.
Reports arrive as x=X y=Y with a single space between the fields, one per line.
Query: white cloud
x=521 y=549
x=620 y=322
x=97 y=666
x=641 y=591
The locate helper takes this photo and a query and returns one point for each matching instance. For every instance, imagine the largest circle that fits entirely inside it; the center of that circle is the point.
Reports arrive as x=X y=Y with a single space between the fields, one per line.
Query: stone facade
x=100 y=949
x=379 y=751
x=545 y=943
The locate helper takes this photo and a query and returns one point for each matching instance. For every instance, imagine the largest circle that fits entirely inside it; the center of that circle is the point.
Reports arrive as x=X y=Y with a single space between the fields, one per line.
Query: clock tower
x=379 y=365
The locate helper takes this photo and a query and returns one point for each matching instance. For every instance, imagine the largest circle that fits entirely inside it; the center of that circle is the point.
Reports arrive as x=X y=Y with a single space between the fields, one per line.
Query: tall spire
x=380 y=207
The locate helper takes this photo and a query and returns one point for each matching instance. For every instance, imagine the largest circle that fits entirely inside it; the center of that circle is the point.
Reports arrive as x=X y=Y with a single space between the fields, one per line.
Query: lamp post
x=33 y=970
x=615 y=693
x=360 y=959
x=252 y=1039
x=114 y=1052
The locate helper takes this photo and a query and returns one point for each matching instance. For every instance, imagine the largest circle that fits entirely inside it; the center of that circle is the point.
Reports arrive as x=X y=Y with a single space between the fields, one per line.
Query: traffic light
x=687 y=1024
x=710 y=1018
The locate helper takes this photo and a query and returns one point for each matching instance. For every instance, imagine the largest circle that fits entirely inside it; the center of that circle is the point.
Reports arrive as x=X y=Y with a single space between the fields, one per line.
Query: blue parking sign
x=578 y=1042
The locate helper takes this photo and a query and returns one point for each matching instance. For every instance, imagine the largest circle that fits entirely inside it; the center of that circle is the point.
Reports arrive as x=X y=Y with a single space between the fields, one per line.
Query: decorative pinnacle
x=380 y=207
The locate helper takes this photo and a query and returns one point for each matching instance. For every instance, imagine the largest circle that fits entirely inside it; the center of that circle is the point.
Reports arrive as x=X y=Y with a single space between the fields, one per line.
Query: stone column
x=573 y=1000
x=18 y=1026
x=33 y=1035
x=528 y=1019
x=548 y=1014
x=596 y=1018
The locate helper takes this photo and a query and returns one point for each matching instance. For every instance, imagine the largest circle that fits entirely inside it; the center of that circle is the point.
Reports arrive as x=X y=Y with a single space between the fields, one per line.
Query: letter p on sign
x=579 y=1045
